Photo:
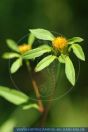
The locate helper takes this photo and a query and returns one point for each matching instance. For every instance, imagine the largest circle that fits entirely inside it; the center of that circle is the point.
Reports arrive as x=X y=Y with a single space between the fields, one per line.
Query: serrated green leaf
x=29 y=106
x=61 y=58
x=45 y=62
x=12 y=44
x=10 y=55
x=42 y=34
x=16 y=65
x=32 y=54
x=14 y=96
x=31 y=39
x=69 y=70
x=74 y=40
x=77 y=50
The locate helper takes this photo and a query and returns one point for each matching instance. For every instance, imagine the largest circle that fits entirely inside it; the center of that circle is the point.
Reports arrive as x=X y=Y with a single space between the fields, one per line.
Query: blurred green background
x=67 y=17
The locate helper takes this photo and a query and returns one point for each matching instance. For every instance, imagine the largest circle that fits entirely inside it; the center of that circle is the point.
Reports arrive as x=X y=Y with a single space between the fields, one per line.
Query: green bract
x=74 y=40
x=25 y=107
x=12 y=45
x=32 y=54
x=31 y=39
x=42 y=34
x=16 y=65
x=69 y=70
x=10 y=55
x=13 y=96
x=61 y=58
x=77 y=49
x=45 y=62
x=17 y=98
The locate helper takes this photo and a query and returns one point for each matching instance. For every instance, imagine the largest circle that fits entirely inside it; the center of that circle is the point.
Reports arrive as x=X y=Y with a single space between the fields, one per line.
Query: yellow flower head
x=24 y=47
x=59 y=43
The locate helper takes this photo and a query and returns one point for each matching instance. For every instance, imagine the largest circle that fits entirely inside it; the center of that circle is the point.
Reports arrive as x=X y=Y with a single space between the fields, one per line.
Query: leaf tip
x=83 y=59
x=36 y=70
x=73 y=83
x=30 y=30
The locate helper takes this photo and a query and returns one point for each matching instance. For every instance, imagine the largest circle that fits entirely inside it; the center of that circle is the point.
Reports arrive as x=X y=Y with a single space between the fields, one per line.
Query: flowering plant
x=59 y=49
x=52 y=48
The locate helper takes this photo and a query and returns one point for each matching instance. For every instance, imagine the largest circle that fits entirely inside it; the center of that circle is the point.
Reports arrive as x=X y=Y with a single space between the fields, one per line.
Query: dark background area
x=67 y=17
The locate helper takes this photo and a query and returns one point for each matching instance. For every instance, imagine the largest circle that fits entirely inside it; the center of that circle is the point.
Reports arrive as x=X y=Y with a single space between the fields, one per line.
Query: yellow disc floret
x=59 y=43
x=24 y=47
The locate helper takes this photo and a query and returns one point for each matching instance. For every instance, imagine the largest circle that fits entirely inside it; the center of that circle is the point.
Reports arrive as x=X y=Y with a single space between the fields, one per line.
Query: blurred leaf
x=19 y=118
x=77 y=49
x=36 y=52
x=29 y=106
x=10 y=55
x=69 y=70
x=61 y=58
x=69 y=48
x=16 y=65
x=13 y=96
x=42 y=34
x=45 y=62
x=31 y=39
x=74 y=40
x=12 y=45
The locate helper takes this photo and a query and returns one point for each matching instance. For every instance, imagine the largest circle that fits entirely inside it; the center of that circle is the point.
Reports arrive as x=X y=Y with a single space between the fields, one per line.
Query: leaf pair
x=13 y=96
x=32 y=54
x=69 y=68
x=77 y=49
x=16 y=97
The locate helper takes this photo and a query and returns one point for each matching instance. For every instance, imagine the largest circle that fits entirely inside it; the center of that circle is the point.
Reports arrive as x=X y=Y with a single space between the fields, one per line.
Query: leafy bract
x=31 y=39
x=78 y=51
x=14 y=96
x=29 y=106
x=45 y=62
x=16 y=65
x=74 y=40
x=37 y=52
x=42 y=34
x=12 y=45
x=10 y=55
x=61 y=58
x=69 y=70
